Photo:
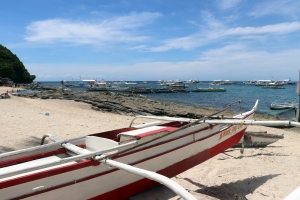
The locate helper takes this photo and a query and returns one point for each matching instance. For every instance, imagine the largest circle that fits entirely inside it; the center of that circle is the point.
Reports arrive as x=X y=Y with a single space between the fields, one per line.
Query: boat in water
x=209 y=89
x=283 y=106
x=96 y=166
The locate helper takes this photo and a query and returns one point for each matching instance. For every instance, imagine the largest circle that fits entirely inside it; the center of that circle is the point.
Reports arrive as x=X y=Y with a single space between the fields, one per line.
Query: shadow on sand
x=230 y=190
x=28 y=142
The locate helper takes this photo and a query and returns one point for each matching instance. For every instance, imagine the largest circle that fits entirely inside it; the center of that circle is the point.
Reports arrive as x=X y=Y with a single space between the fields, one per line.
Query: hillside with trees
x=11 y=67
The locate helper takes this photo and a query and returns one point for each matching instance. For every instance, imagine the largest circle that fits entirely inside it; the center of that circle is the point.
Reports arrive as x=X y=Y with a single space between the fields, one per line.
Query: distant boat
x=283 y=106
x=227 y=82
x=274 y=86
x=209 y=89
x=140 y=90
x=288 y=82
x=250 y=82
x=162 y=90
x=192 y=81
x=216 y=82
x=222 y=82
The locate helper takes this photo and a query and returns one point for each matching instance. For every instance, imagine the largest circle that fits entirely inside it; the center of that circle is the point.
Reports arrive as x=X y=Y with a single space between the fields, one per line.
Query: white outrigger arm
x=220 y=121
x=175 y=187
x=253 y=122
x=101 y=156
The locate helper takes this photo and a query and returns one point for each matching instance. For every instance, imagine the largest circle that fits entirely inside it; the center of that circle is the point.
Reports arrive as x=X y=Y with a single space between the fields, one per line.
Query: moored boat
x=209 y=89
x=283 y=106
x=93 y=166
x=140 y=90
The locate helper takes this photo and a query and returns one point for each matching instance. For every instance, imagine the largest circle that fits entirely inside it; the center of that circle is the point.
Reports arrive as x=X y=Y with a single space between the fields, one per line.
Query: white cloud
x=226 y=4
x=238 y=62
x=235 y=62
x=219 y=32
x=282 y=28
x=211 y=21
x=277 y=7
x=119 y=29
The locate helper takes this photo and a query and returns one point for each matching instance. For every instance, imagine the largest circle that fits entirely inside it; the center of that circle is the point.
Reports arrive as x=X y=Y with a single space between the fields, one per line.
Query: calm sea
x=248 y=94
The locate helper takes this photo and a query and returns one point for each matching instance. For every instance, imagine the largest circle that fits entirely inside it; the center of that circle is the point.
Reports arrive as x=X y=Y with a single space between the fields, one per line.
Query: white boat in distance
x=222 y=82
x=92 y=167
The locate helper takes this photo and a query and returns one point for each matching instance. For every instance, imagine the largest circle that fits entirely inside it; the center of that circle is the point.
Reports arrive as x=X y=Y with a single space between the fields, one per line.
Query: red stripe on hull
x=143 y=184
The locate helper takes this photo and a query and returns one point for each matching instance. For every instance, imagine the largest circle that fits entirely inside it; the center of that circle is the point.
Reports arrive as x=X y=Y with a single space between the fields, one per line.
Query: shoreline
x=260 y=173
x=180 y=107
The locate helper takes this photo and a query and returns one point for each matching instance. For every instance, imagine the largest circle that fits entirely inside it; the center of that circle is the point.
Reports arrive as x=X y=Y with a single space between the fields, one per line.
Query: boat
x=99 y=86
x=258 y=139
x=227 y=82
x=96 y=166
x=250 y=82
x=140 y=90
x=288 y=82
x=273 y=86
x=283 y=106
x=164 y=89
x=270 y=84
x=209 y=89
x=179 y=86
x=193 y=81
x=216 y=82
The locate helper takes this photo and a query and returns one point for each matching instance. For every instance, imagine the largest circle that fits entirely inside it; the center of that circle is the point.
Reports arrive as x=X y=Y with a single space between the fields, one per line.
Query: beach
x=260 y=173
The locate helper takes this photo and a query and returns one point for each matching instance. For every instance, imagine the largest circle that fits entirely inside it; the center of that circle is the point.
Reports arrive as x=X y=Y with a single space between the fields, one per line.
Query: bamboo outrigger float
x=96 y=166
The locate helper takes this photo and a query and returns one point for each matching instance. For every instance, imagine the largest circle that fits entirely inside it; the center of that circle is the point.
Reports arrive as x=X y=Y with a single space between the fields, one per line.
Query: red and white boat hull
x=90 y=179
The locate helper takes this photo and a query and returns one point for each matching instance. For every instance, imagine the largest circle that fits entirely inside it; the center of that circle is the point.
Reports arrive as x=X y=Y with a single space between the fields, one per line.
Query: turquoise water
x=248 y=94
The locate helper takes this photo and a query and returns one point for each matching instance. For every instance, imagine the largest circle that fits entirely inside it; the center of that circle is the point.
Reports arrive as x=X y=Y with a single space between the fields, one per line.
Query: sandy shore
x=260 y=173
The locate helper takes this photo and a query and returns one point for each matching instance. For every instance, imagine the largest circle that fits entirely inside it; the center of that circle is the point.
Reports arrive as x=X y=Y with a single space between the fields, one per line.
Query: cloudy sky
x=154 y=40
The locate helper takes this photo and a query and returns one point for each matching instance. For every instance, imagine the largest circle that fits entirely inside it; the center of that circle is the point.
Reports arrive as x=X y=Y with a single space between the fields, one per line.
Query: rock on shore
x=123 y=104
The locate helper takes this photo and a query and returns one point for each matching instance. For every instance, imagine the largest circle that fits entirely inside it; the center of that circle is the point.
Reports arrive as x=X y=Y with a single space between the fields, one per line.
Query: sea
x=247 y=94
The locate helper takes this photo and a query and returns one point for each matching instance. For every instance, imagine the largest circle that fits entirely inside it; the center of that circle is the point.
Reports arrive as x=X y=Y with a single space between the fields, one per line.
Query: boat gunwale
x=88 y=163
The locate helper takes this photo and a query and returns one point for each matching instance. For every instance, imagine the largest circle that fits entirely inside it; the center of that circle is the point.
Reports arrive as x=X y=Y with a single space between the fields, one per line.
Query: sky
x=138 y=40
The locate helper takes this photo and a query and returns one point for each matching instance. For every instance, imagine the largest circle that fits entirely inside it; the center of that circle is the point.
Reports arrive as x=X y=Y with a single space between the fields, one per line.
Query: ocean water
x=248 y=94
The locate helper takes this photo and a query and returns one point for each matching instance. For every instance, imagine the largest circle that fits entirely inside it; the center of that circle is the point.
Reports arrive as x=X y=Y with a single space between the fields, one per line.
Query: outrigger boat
x=209 y=89
x=96 y=166
x=283 y=106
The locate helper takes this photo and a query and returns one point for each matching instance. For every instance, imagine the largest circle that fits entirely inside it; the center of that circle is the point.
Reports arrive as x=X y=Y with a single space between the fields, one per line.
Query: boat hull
x=89 y=179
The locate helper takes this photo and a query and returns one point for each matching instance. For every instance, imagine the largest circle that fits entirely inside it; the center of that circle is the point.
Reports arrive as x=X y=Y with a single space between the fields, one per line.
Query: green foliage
x=11 y=67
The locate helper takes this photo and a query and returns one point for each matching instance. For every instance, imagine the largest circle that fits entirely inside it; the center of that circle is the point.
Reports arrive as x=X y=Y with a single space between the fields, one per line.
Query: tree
x=11 y=67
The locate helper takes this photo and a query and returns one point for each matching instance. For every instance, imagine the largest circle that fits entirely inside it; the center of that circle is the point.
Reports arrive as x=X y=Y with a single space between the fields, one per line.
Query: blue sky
x=154 y=40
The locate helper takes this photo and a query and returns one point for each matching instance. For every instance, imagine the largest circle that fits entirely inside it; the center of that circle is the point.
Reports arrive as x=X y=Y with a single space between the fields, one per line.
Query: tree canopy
x=11 y=67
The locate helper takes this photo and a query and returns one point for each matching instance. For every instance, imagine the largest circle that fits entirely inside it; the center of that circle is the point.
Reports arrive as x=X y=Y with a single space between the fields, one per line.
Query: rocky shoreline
x=126 y=104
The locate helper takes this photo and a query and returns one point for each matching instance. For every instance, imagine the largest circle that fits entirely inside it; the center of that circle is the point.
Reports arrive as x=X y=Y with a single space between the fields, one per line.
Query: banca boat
x=283 y=106
x=120 y=163
x=209 y=89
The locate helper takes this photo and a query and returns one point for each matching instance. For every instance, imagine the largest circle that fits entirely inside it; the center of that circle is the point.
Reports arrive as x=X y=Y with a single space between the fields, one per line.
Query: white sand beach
x=259 y=173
